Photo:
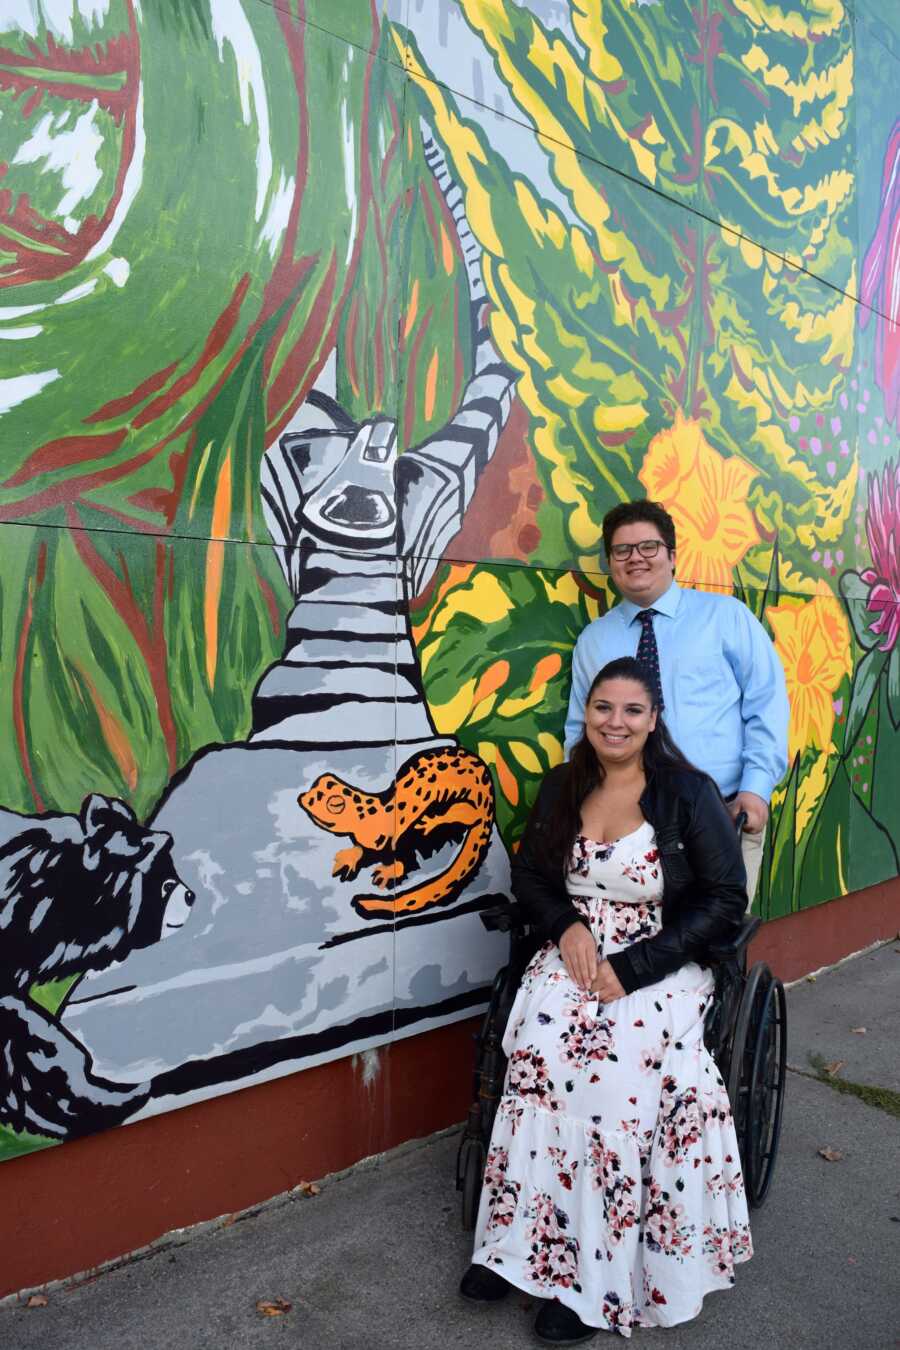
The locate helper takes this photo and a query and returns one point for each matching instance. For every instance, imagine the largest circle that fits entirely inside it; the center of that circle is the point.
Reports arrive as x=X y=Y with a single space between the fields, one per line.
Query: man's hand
x=579 y=953
x=606 y=984
x=756 y=809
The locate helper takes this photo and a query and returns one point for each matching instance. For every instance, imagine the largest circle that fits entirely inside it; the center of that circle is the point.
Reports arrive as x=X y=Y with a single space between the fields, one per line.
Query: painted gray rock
x=275 y=969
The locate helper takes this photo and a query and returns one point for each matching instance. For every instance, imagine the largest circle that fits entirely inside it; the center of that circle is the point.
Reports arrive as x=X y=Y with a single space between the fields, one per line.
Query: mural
x=320 y=367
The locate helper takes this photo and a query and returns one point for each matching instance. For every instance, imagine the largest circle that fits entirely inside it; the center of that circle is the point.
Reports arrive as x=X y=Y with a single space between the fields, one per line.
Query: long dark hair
x=584 y=771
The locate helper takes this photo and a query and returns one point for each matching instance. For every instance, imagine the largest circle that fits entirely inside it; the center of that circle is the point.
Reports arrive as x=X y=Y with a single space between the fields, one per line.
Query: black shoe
x=560 y=1326
x=481 y=1285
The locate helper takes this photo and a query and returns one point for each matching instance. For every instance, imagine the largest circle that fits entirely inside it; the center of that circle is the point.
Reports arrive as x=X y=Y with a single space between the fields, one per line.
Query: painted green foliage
x=706 y=357
x=663 y=310
x=156 y=425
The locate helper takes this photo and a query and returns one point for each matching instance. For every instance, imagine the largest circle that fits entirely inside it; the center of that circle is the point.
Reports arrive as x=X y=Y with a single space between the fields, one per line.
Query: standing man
x=720 y=682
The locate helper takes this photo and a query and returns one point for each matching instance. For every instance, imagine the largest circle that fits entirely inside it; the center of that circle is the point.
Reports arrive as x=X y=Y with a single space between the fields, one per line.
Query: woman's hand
x=605 y=983
x=579 y=953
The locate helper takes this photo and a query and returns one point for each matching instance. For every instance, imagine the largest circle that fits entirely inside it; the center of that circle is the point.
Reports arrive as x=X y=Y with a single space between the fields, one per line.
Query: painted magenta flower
x=880 y=285
x=813 y=641
x=883 y=577
x=706 y=495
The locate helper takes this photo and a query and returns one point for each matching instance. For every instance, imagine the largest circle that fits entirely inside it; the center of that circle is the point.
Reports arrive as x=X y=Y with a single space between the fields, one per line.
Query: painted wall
x=328 y=336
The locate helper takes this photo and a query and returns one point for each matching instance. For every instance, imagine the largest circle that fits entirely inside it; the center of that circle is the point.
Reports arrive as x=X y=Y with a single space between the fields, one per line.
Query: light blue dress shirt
x=723 y=685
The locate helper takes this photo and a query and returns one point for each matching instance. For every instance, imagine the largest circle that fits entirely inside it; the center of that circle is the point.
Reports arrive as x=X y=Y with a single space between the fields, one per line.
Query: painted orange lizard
x=435 y=790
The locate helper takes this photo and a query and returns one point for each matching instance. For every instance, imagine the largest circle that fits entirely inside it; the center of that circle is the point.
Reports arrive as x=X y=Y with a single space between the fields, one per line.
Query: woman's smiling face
x=618 y=719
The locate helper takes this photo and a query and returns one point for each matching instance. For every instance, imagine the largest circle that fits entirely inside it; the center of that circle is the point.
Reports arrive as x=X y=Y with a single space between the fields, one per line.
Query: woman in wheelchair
x=613 y=1186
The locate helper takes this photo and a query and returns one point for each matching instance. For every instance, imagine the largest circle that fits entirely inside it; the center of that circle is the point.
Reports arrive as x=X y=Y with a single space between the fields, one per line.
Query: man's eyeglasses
x=647 y=548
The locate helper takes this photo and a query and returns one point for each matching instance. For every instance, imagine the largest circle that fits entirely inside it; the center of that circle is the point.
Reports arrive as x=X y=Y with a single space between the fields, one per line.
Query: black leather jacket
x=704 y=882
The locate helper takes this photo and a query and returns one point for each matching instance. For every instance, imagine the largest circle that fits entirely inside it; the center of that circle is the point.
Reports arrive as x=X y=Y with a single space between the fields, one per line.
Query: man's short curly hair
x=630 y=513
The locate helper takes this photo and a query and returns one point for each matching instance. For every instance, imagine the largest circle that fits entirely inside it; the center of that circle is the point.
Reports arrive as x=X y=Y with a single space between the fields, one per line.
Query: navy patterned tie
x=647 y=652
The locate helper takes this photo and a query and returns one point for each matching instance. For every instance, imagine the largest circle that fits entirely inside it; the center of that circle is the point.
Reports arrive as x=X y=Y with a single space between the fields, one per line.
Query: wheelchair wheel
x=471 y=1173
x=756 y=1078
x=490 y=1071
x=766 y=1093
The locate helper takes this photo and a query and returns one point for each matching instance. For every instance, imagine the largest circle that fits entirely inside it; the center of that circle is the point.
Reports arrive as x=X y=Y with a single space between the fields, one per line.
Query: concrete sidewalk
x=373 y=1261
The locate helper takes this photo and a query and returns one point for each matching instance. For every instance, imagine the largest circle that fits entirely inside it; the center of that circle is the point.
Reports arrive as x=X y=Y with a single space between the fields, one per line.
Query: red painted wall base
x=68 y=1209
x=812 y=938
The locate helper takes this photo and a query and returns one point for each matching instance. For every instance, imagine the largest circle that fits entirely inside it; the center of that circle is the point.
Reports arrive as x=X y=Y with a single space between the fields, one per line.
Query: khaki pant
x=752 y=849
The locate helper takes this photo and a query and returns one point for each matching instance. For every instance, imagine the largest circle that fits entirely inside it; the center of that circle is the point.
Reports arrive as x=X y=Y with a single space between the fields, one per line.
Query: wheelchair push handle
x=719 y=952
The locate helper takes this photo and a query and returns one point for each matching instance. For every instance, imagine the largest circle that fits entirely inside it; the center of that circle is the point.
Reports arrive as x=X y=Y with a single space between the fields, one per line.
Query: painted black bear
x=76 y=894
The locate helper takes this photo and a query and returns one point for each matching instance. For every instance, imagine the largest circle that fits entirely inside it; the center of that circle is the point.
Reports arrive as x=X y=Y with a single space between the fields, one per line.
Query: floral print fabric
x=613 y=1181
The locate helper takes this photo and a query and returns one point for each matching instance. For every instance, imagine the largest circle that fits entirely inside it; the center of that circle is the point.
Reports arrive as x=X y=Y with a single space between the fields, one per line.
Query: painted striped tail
x=348 y=675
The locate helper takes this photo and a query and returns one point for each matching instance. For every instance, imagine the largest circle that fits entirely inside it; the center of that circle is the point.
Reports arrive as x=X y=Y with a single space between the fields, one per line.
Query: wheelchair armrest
x=506 y=918
x=718 y=952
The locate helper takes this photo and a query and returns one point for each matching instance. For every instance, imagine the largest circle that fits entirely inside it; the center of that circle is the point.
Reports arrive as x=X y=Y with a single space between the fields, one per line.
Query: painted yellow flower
x=706 y=496
x=813 y=641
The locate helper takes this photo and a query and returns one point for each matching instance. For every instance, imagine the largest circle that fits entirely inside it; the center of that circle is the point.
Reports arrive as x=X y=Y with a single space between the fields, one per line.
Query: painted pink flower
x=880 y=286
x=883 y=578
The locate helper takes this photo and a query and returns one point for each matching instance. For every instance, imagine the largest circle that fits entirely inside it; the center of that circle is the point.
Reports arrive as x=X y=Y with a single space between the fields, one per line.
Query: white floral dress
x=613 y=1181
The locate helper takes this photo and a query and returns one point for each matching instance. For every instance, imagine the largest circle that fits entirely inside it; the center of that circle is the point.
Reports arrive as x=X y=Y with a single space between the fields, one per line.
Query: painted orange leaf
x=412 y=309
x=493 y=678
x=813 y=640
x=431 y=386
x=546 y=668
x=706 y=495
x=114 y=734
x=215 y=564
x=507 y=778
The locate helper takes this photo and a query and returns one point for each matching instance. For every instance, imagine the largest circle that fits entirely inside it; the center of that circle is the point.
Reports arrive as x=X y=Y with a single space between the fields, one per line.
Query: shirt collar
x=667 y=604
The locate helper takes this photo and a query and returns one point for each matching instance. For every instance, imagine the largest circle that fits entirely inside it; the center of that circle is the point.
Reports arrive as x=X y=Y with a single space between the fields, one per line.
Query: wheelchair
x=745 y=1031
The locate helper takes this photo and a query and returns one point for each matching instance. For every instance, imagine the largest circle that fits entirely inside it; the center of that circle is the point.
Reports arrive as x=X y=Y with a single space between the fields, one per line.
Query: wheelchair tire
x=743 y=1048
x=766 y=1094
x=471 y=1175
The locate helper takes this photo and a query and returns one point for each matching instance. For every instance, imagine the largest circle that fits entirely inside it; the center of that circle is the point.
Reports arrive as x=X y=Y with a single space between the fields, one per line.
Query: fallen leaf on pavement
x=37 y=1301
x=834 y=1067
x=273 y=1307
x=831 y=1154
x=308 y=1188
x=857 y=1031
x=228 y=1220
x=810 y=979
